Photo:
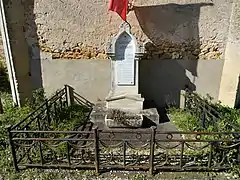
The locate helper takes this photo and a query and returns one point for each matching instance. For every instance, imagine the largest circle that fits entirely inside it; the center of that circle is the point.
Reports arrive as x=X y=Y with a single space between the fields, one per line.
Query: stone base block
x=128 y=123
x=151 y=114
x=98 y=113
x=131 y=103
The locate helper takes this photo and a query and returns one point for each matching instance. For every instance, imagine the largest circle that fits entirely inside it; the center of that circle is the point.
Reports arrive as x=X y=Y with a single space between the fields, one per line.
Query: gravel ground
x=124 y=175
x=51 y=174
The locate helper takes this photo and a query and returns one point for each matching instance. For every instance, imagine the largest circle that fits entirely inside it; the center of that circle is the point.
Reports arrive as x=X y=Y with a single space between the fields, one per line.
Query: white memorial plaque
x=125 y=50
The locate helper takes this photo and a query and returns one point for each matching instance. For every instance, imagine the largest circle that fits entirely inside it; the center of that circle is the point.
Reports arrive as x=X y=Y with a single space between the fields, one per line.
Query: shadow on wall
x=167 y=26
x=32 y=40
x=119 y=45
x=4 y=82
x=237 y=102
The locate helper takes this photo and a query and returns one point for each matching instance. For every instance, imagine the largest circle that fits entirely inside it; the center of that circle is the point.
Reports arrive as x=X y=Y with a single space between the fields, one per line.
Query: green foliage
x=227 y=120
x=4 y=82
x=10 y=116
x=230 y=116
x=184 y=120
x=122 y=117
x=38 y=97
x=71 y=117
x=139 y=176
x=14 y=114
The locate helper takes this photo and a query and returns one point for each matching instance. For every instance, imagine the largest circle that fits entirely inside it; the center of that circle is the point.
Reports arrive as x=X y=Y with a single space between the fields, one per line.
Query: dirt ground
x=124 y=175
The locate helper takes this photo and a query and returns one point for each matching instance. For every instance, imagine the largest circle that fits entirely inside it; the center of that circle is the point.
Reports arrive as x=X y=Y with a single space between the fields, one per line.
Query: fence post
x=204 y=115
x=1 y=106
x=48 y=114
x=96 y=142
x=68 y=153
x=152 y=146
x=69 y=94
x=124 y=153
x=182 y=99
x=12 y=148
x=238 y=156
x=210 y=156
x=39 y=135
x=181 y=155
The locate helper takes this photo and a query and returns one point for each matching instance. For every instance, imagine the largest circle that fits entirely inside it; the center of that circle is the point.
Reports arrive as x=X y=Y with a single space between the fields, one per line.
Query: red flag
x=120 y=7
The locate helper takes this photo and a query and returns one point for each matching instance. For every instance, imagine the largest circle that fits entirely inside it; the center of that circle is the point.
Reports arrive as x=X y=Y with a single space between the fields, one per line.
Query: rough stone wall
x=176 y=29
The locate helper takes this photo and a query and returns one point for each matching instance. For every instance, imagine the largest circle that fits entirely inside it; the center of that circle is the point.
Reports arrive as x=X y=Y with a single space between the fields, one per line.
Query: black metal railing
x=150 y=150
x=204 y=110
x=45 y=118
x=36 y=144
x=45 y=113
x=201 y=109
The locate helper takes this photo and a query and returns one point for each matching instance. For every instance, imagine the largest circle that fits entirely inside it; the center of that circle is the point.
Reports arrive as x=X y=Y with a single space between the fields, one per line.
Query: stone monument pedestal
x=100 y=111
x=123 y=108
x=132 y=103
x=124 y=111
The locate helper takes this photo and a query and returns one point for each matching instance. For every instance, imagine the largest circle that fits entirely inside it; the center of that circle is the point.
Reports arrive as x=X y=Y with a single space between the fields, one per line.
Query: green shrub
x=71 y=117
x=4 y=82
x=228 y=120
x=230 y=116
x=184 y=120
x=10 y=116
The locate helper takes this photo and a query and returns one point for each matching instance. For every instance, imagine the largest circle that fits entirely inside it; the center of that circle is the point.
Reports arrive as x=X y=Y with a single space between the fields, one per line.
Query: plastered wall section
x=159 y=81
x=90 y=78
x=229 y=89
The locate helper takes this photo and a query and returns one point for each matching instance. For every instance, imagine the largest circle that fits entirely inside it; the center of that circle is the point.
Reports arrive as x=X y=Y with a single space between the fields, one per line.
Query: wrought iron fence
x=45 y=118
x=201 y=109
x=204 y=110
x=36 y=144
x=149 y=149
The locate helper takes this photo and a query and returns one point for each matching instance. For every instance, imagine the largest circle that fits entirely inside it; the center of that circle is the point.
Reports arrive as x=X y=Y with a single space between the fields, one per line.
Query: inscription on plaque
x=125 y=50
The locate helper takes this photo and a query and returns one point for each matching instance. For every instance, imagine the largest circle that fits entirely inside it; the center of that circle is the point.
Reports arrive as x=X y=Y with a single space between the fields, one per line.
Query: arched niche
x=125 y=52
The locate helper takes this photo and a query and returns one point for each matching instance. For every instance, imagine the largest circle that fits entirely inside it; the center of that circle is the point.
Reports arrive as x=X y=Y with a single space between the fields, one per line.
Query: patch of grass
x=10 y=116
x=184 y=120
x=229 y=115
x=227 y=120
x=71 y=117
x=139 y=176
